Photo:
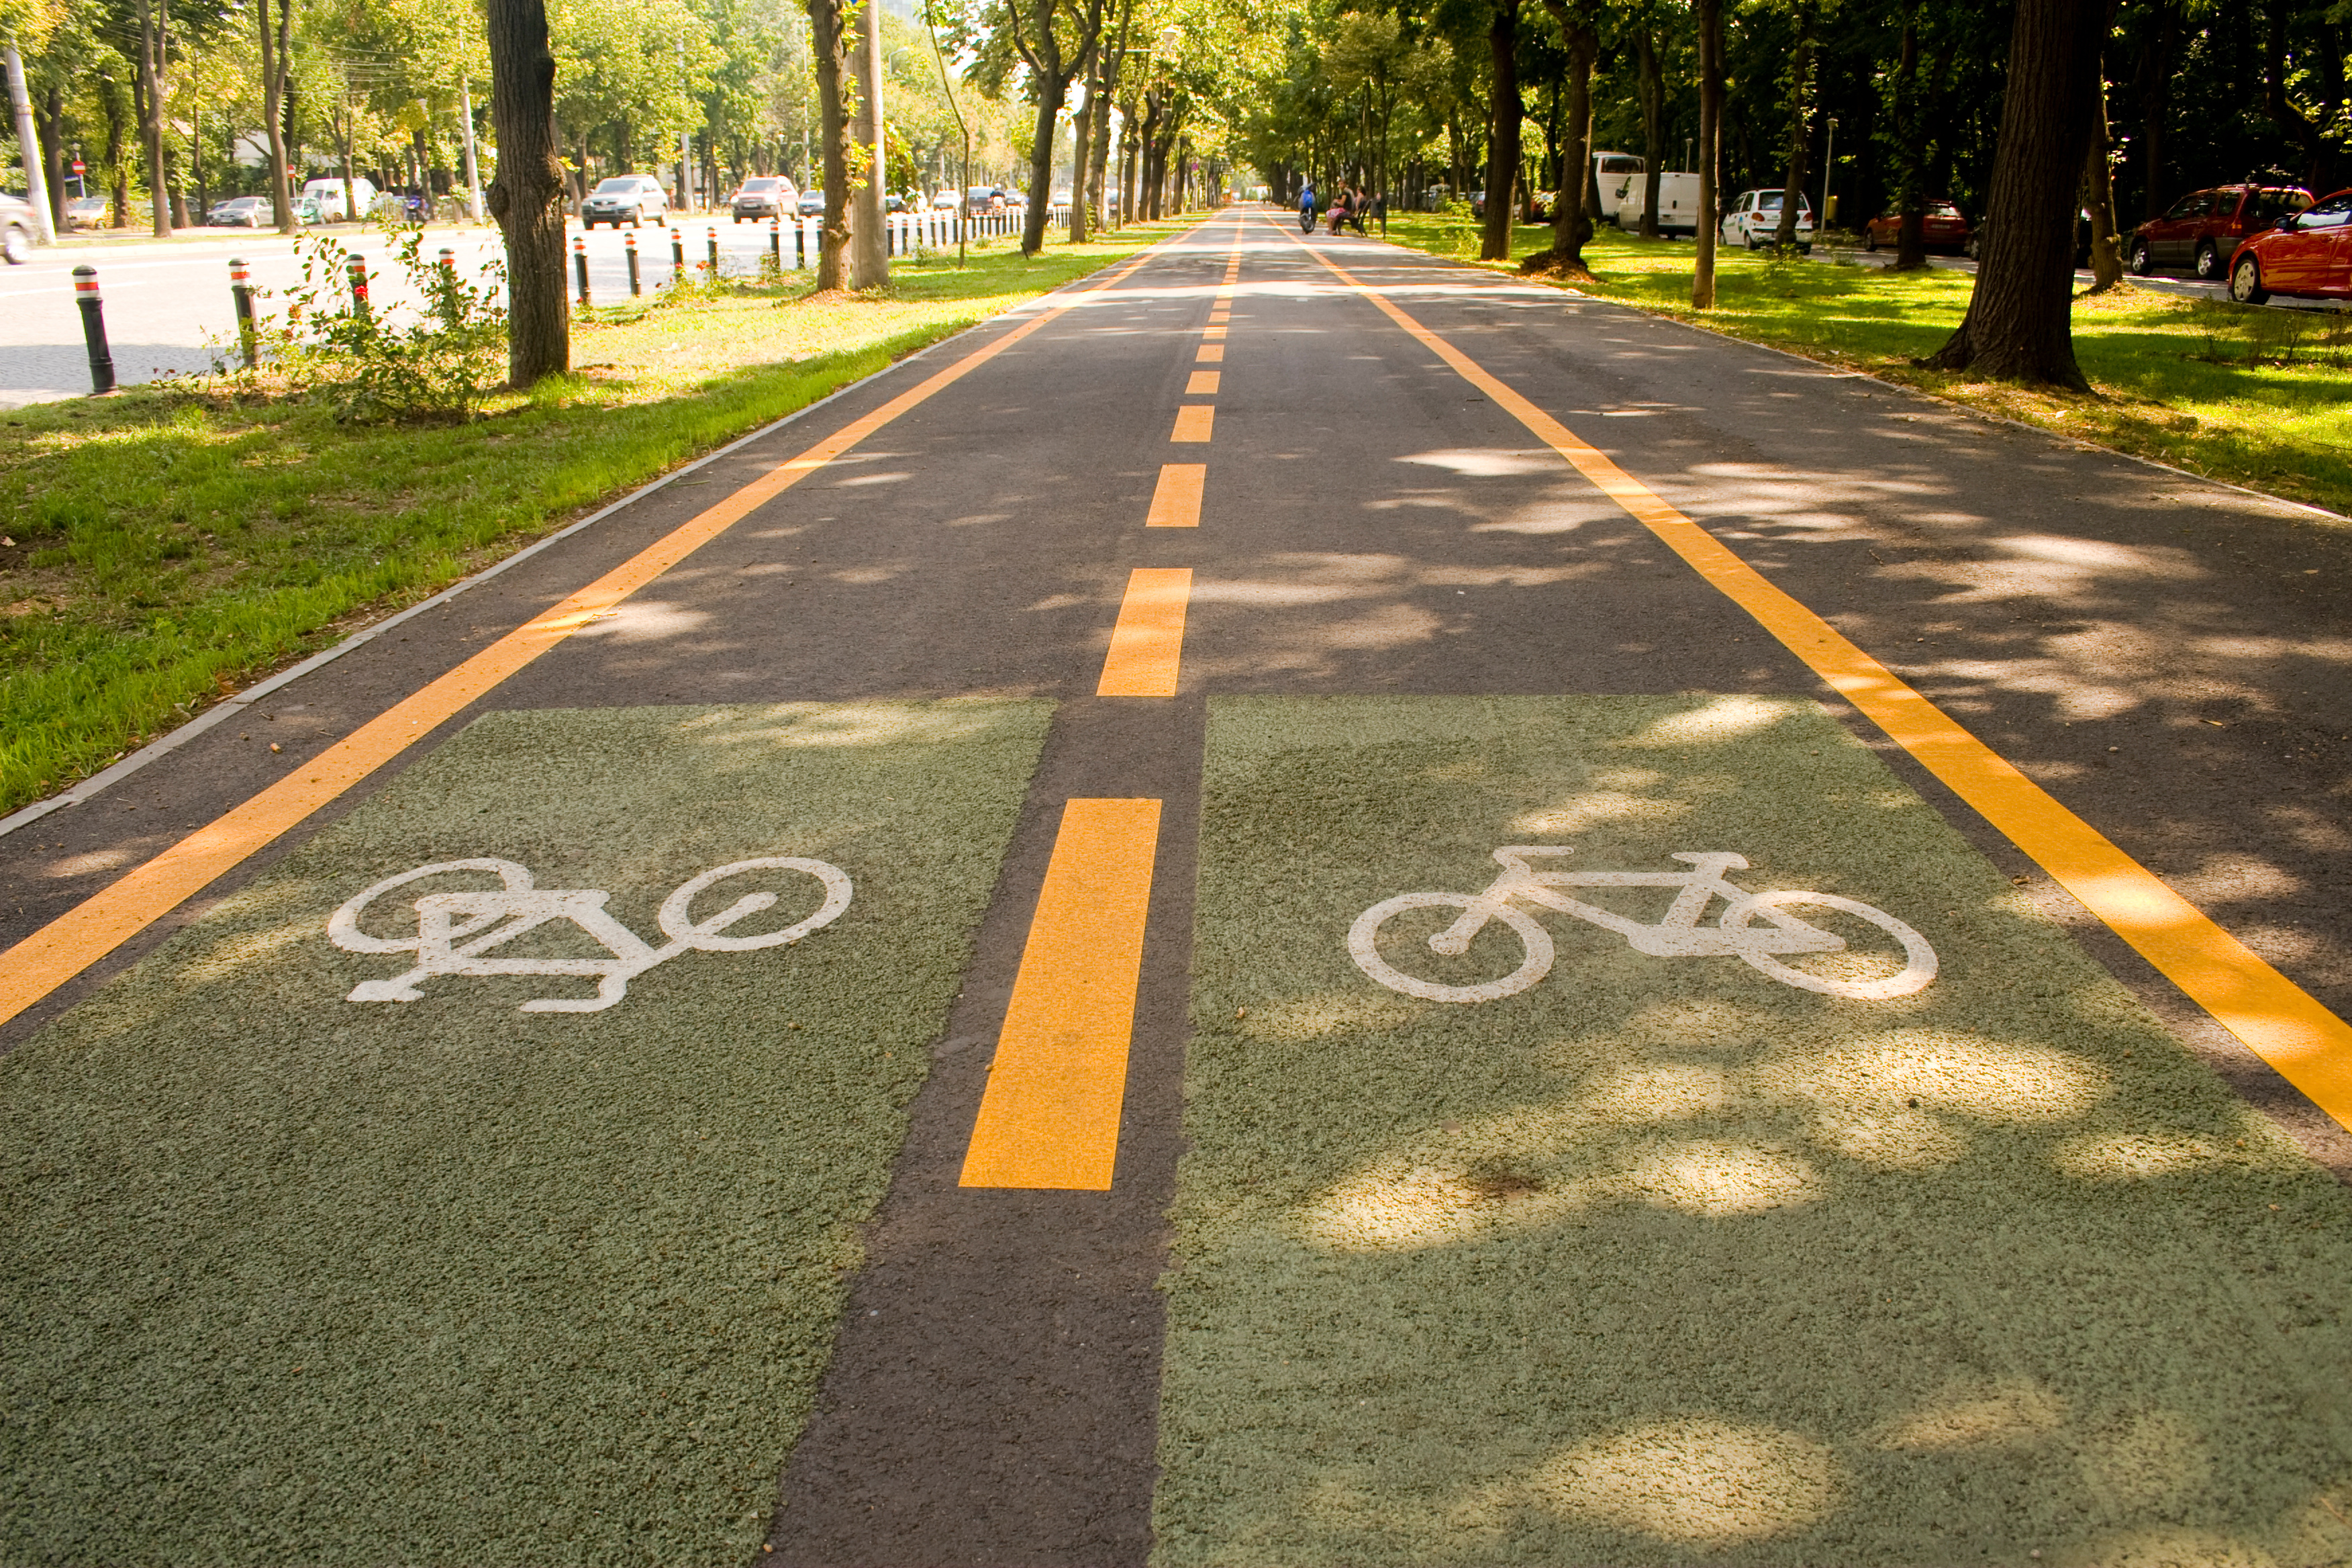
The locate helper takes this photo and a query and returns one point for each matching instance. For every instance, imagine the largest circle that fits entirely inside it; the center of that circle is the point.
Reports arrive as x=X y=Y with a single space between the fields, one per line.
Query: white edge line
x=25 y=817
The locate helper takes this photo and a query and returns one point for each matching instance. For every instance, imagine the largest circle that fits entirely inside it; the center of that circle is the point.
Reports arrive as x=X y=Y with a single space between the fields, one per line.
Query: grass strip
x=167 y=546
x=2250 y=397
x=1661 y=1261
x=286 y=1278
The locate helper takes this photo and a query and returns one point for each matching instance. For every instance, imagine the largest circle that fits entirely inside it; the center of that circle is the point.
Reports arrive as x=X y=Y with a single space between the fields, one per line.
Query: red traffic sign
x=78 y=169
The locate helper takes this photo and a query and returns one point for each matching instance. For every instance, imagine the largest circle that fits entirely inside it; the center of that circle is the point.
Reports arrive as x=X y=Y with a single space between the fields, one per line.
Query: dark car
x=2204 y=228
x=1942 y=228
x=2306 y=253
x=765 y=197
x=1974 y=245
x=812 y=204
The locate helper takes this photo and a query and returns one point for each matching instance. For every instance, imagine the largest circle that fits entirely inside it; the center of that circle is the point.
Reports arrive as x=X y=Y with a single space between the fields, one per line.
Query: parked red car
x=2309 y=252
x=1942 y=229
x=2204 y=228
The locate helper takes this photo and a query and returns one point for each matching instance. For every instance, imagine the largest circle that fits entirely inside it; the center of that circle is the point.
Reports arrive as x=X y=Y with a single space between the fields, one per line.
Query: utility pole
x=473 y=168
x=36 y=179
x=869 y=250
x=1829 y=155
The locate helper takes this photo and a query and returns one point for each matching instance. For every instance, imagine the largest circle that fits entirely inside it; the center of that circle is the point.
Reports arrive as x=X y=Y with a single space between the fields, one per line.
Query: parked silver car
x=638 y=198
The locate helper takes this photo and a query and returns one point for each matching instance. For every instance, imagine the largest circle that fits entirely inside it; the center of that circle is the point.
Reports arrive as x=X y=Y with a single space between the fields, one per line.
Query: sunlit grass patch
x=168 y=545
x=2256 y=397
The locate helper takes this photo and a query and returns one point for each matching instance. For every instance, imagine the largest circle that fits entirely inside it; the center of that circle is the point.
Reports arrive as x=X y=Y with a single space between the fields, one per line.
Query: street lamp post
x=1829 y=163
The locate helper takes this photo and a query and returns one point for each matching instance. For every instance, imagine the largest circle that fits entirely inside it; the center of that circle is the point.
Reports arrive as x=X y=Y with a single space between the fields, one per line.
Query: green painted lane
x=1665 y=1256
x=295 y=1277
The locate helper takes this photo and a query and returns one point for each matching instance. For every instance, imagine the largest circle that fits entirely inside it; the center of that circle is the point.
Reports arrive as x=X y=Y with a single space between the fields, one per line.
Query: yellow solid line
x=1049 y=1117
x=1176 y=500
x=1210 y=353
x=1147 y=645
x=2280 y=1022
x=1202 y=384
x=70 y=944
x=1193 y=422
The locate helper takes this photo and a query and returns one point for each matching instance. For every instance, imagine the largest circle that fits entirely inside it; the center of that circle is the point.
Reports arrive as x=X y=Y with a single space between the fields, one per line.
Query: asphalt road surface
x=1125 y=1133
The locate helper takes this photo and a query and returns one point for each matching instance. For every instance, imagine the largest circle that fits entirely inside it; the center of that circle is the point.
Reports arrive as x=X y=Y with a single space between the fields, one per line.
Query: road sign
x=77 y=167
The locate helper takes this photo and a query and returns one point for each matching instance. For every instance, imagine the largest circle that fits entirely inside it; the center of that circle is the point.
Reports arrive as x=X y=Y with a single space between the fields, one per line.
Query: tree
x=1800 y=111
x=828 y=25
x=1708 y=16
x=277 y=60
x=1505 y=112
x=527 y=197
x=1571 y=224
x=2017 y=326
x=1055 y=38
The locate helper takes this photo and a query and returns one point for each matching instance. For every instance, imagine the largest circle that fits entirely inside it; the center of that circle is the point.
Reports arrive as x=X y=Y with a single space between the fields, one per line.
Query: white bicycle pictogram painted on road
x=1735 y=933
x=454 y=930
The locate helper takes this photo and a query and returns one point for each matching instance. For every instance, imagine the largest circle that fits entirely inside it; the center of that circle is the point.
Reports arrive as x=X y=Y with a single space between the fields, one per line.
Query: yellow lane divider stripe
x=2280 y=1022
x=70 y=944
x=1176 y=499
x=1212 y=333
x=1202 y=384
x=1210 y=353
x=1146 y=645
x=1193 y=420
x=1049 y=1117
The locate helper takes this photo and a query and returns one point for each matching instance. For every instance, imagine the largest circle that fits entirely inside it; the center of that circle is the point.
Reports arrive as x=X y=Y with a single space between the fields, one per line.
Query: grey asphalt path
x=2166 y=656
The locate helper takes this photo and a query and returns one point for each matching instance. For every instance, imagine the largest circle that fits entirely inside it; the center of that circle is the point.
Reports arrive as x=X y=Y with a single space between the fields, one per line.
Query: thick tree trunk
x=118 y=170
x=1800 y=130
x=49 y=109
x=1654 y=139
x=1050 y=88
x=829 y=45
x=2099 y=199
x=2018 y=323
x=1505 y=113
x=1571 y=226
x=1708 y=14
x=526 y=197
x=870 y=244
x=276 y=51
x=151 y=84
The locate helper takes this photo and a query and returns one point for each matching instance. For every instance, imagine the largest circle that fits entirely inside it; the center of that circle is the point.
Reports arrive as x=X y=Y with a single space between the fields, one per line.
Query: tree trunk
x=1503 y=137
x=526 y=197
x=869 y=244
x=151 y=83
x=1708 y=14
x=277 y=49
x=1571 y=224
x=1654 y=139
x=110 y=95
x=829 y=44
x=49 y=109
x=2018 y=323
x=1800 y=130
x=2099 y=197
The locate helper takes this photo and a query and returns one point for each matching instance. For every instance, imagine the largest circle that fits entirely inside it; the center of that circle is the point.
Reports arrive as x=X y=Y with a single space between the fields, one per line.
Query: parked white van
x=1609 y=171
x=1677 y=204
x=327 y=190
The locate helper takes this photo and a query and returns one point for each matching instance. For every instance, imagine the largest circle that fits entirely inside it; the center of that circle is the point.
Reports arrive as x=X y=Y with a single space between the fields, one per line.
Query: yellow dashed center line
x=1212 y=332
x=2280 y=1022
x=1202 y=384
x=1193 y=420
x=1049 y=1117
x=1210 y=353
x=1147 y=645
x=1176 y=501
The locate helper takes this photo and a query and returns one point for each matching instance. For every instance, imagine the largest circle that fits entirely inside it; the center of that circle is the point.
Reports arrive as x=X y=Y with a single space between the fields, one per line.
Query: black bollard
x=93 y=329
x=580 y=266
x=359 y=287
x=776 y=241
x=712 y=235
x=634 y=288
x=240 y=291
x=677 y=256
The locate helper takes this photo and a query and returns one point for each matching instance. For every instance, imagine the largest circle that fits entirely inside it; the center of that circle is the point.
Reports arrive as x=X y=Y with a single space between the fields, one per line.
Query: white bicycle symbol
x=1677 y=933
x=455 y=930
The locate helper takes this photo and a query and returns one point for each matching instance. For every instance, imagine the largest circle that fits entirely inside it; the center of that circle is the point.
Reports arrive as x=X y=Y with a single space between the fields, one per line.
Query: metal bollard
x=712 y=234
x=635 y=288
x=580 y=266
x=93 y=329
x=358 y=270
x=677 y=256
x=776 y=242
x=448 y=261
x=240 y=291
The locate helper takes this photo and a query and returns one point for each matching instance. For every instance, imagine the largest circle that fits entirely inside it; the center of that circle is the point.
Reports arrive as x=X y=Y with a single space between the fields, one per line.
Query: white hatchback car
x=1755 y=218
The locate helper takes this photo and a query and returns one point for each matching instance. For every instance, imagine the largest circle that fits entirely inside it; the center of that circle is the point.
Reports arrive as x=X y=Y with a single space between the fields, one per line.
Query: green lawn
x=160 y=549
x=2255 y=398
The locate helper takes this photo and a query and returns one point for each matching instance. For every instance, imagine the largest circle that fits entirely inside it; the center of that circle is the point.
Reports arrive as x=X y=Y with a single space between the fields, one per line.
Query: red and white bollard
x=93 y=329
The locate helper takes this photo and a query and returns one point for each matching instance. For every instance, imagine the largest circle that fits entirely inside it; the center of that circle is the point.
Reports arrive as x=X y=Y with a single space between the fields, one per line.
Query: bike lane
x=1659 y=1259
x=435 y=1276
